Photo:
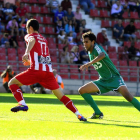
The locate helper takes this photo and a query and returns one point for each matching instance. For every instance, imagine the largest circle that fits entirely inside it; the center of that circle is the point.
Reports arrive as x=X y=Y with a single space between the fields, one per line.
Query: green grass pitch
x=48 y=119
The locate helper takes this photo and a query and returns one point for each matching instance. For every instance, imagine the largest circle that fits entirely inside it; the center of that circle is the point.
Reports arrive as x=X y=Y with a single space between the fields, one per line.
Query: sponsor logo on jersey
x=98 y=49
x=44 y=60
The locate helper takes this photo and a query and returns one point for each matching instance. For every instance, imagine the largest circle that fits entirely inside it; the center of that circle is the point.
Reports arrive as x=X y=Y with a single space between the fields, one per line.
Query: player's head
x=119 y=21
x=74 y=49
x=118 y=2
x=9 y=68
x=32 y=25
x=88 y=39
x=131 y=22
x=103 y=30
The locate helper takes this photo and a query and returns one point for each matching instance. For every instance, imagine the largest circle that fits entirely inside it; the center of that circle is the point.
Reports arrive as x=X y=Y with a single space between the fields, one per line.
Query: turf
x=48 y=119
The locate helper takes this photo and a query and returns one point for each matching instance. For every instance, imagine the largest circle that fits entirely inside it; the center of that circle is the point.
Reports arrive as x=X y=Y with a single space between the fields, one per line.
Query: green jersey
x=105 y=67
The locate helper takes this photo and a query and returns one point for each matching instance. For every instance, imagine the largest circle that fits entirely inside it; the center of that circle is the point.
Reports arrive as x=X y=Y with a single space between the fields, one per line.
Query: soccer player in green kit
x=109 y=77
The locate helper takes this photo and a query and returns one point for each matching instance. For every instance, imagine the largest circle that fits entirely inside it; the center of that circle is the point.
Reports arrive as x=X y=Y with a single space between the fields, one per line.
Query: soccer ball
x=27 y=63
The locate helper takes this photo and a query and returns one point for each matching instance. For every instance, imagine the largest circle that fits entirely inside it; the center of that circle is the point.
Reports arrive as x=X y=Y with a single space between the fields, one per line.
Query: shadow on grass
x=121 y=121
x=8 y=99
x=122 y=125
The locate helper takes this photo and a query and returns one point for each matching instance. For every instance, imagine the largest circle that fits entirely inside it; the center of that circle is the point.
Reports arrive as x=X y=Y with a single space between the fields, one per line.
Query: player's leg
x=85 y=91
x=14 y=86
x=126 y=94
x=25 y=78
x=68 y=103
x=51 y=84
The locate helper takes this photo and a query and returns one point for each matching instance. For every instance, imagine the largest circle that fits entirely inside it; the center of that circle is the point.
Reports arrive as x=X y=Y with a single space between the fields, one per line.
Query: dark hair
x=132 y=46
x=132 y=20
x=6 y=34
x=90 y=35
x=33 y=23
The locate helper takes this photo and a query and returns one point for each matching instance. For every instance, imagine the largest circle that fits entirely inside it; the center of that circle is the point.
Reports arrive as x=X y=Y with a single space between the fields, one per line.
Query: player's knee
x=80 y=90
x=11 y=82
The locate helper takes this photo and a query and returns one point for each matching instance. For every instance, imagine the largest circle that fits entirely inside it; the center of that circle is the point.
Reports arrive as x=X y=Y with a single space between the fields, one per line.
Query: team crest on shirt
x=44 y=60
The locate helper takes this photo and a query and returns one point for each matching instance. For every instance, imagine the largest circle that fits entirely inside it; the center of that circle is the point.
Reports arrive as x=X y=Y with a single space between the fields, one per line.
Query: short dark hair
x=132 y=20
x=6 y=34
x=34 y=23
x=90 y=35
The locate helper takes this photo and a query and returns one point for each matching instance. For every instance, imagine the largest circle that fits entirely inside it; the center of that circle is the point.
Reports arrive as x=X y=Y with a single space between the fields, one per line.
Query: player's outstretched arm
x=28 y=49
x=96 y=59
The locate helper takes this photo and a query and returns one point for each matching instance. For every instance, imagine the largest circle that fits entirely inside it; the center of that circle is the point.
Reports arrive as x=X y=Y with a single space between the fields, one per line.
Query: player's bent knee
x=14 y=81
x=58 y=93
x=81 y=91
x=10 y=83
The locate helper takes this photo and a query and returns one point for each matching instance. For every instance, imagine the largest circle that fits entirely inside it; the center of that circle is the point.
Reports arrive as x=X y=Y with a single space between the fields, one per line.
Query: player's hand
x=25 y=58
x=85 y=66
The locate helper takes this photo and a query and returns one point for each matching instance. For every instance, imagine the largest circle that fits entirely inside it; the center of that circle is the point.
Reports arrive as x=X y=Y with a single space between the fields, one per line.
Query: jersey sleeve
x=98 y=50
x=28 y=37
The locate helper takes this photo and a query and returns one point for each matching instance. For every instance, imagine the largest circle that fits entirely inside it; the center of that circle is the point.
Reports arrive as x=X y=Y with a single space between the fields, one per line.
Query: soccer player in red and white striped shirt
x=40 y=70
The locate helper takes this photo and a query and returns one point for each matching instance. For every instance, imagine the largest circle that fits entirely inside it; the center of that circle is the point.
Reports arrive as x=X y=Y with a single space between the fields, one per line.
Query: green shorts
x=111 y=84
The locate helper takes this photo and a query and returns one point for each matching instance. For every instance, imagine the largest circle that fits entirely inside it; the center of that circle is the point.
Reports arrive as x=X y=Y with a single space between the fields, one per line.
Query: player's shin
x=69 y=104
x=91 y=102
x=17 y=94
x=136 y=103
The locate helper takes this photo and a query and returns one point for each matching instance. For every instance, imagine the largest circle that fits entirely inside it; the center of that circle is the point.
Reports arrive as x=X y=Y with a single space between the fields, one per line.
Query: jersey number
x=97 y=65
x=43 y=44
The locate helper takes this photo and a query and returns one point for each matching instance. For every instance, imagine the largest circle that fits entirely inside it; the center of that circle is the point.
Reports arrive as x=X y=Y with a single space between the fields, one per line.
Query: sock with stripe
x=136 y=103
x=88 y=98
x=69 y=104
x=17 y=94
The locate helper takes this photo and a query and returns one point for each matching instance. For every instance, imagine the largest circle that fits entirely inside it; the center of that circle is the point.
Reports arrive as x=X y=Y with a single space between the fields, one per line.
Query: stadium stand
x=97 y=19
x=133 y=71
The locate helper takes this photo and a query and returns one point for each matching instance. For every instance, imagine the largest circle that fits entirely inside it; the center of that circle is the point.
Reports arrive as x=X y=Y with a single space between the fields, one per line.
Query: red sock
x=16 y=92
x=68 y=103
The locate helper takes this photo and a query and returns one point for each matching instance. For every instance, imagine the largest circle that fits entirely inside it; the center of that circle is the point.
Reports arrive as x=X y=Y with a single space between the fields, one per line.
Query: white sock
x=22 y=102
x=77 y=113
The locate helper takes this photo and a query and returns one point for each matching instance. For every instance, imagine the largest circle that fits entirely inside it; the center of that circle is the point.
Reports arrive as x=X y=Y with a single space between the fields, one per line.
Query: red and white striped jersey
x=39 y=54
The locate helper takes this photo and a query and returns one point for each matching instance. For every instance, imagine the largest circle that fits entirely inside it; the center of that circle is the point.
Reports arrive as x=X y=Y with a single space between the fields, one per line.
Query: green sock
x=91 y=102
x=136 y=103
